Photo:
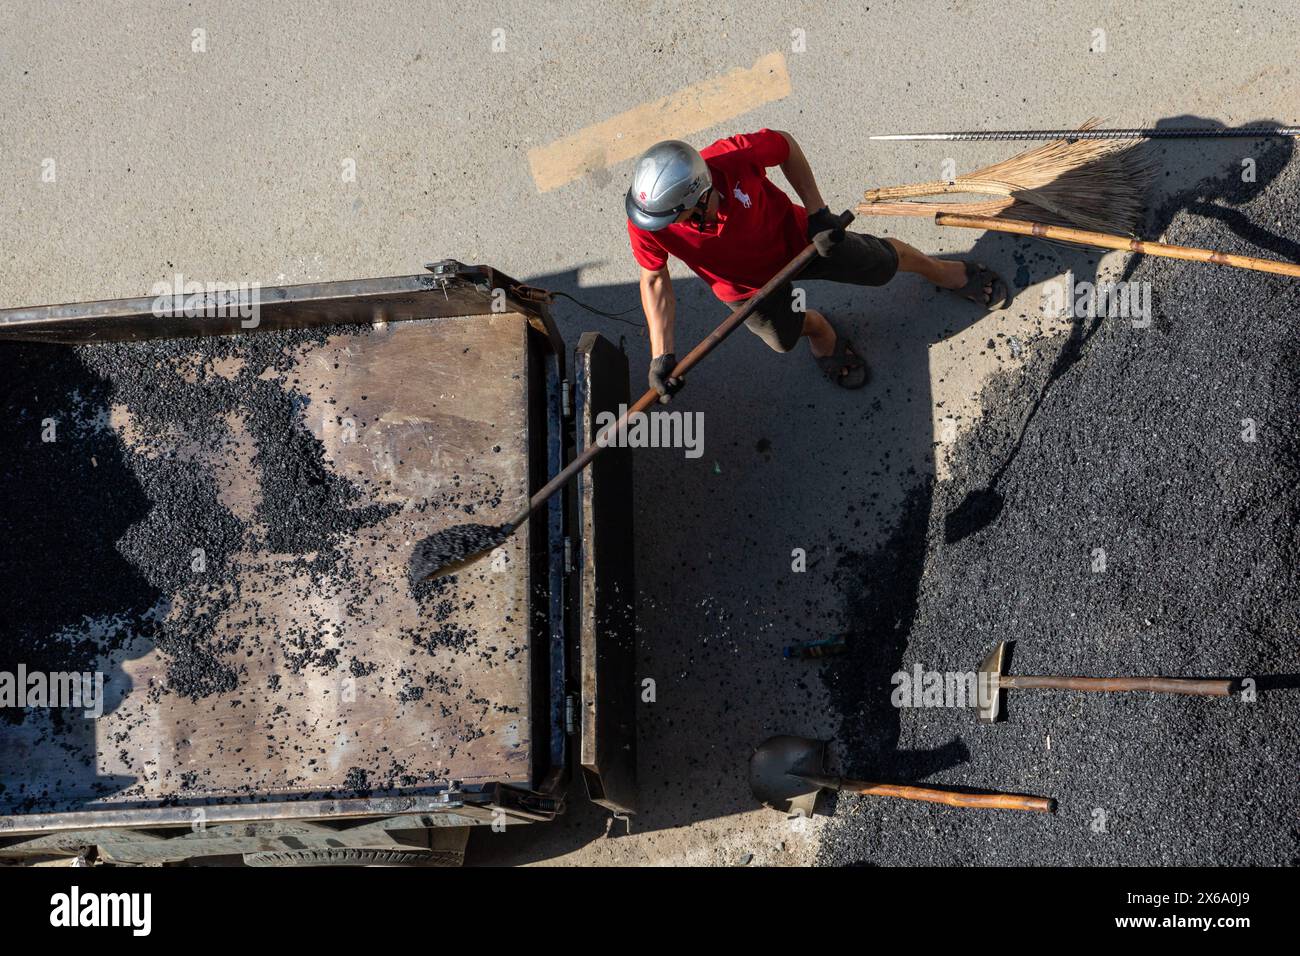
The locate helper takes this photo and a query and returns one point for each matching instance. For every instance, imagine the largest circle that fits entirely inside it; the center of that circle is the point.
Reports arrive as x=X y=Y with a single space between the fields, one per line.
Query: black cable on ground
x=530 y=292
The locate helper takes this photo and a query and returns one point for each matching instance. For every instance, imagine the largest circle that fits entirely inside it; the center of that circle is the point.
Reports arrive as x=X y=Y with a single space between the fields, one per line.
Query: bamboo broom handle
x=991 y=187
x=926 y=210
x=1082 y=237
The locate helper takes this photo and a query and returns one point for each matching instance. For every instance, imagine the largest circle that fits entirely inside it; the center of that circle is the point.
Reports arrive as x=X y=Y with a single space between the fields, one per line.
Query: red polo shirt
x=758 y=230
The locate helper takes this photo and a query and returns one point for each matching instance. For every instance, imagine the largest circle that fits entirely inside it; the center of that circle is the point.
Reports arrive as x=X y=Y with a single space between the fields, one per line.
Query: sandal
x=844 y=366
x=978 y=276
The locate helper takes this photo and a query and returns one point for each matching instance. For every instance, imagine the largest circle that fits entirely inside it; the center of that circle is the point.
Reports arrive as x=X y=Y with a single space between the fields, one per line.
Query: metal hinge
x=566 y=398
x=568 y=555
x=570 y=714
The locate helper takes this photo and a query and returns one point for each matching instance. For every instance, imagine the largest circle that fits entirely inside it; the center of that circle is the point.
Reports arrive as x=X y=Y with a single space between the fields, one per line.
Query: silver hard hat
x=669 y=178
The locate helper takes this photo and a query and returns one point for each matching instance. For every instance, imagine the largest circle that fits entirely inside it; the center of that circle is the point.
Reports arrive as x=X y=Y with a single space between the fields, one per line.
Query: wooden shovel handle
x=1157 y=685
x=953 y=798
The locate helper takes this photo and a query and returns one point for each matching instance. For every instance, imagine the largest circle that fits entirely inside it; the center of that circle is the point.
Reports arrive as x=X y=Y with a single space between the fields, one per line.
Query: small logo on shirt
x=739 y=194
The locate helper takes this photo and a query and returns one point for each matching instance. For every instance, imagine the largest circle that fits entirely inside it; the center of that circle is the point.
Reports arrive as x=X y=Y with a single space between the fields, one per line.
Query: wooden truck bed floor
x=238 y=666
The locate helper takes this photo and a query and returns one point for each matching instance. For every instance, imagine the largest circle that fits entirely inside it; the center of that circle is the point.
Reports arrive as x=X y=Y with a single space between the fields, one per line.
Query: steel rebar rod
x=1190 y=132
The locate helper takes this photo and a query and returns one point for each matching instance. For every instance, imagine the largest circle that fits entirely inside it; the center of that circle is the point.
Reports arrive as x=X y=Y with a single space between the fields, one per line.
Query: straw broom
x=1096 y=184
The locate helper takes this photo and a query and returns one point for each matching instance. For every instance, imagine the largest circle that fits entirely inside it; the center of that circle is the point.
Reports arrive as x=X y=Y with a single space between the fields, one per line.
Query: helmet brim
x=651 y=222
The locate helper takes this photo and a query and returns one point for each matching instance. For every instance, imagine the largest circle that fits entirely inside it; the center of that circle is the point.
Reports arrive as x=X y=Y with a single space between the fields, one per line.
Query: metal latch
x=448 y=270
x=445 y=271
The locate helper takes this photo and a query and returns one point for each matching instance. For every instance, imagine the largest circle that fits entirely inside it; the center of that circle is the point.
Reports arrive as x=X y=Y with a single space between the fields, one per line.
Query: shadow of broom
x=1083 y=183
x=981 y=507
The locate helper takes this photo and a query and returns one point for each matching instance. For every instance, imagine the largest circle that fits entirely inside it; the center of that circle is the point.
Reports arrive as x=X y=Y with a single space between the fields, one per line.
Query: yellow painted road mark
x=687 y=111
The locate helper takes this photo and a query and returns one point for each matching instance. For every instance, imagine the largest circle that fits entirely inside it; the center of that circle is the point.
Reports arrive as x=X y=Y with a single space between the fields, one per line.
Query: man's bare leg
x=947 y=273
x=821 y=337
x=822 y=341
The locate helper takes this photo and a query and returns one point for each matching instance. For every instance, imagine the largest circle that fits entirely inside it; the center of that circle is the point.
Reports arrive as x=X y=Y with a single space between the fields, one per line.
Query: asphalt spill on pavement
x=1146 y=523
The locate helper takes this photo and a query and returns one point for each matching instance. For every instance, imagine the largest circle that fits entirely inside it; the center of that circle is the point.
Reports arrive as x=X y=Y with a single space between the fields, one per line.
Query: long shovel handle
x=953 y=798
x=1157 y=685
x=692 y=358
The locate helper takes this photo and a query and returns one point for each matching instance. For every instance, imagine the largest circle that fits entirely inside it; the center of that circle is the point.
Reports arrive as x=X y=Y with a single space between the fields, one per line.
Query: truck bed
x=257 y=633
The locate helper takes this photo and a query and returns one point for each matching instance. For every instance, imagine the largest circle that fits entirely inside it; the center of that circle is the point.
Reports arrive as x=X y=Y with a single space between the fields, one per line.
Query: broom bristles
x=1093 y=184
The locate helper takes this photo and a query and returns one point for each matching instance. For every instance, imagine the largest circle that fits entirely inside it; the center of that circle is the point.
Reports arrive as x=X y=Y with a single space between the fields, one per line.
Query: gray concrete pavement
x=127 y=155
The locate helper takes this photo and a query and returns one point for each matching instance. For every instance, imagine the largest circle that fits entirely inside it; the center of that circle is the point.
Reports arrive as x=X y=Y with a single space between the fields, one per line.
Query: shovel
x=786 y=773
x=452 y=548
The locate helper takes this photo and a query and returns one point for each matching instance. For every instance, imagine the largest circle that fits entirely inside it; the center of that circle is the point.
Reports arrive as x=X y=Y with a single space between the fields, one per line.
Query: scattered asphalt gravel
x=162 y=507
x=102 y=525
x=1137 y=450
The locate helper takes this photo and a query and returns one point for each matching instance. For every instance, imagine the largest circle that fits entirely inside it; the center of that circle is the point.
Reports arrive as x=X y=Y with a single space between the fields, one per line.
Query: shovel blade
x=774 y=770
x=452 y=548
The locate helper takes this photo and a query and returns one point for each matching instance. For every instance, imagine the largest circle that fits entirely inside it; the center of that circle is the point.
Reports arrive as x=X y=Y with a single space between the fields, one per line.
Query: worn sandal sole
x=845 y=357
x=978 y=276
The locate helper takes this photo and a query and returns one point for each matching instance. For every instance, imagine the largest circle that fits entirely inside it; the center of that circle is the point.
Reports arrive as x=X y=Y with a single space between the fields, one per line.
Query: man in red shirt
x=717 y=211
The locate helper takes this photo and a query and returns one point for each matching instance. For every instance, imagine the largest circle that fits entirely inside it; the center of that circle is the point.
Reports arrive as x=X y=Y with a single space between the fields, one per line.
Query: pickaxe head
x=988 y=687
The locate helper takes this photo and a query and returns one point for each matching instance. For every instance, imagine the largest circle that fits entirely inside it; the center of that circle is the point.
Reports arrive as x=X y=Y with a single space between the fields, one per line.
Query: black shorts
x=859 y=260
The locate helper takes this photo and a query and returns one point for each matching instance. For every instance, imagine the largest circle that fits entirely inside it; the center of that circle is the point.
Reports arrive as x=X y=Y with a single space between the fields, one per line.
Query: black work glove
x=825 y=231
x=661 y=379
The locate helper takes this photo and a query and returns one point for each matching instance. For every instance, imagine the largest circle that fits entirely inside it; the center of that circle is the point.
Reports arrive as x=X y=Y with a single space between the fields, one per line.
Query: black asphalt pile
x=108 y=528
x=1146 y=525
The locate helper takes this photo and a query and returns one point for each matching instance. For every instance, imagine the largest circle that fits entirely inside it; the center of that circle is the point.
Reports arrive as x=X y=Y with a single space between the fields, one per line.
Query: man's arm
x=660 y=307
x=800 y=175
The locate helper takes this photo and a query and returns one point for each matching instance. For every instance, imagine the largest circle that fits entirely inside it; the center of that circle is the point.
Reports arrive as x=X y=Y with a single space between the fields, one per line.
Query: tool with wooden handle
x=1083 y=237
x=992 y=682
x=787 y=772
x=454 y=547
x=688 y=362
x=952 y=798
x=1100 y=185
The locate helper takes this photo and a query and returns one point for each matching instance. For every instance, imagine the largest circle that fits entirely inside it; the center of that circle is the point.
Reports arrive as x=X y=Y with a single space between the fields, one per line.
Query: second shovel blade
x=774 y=768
